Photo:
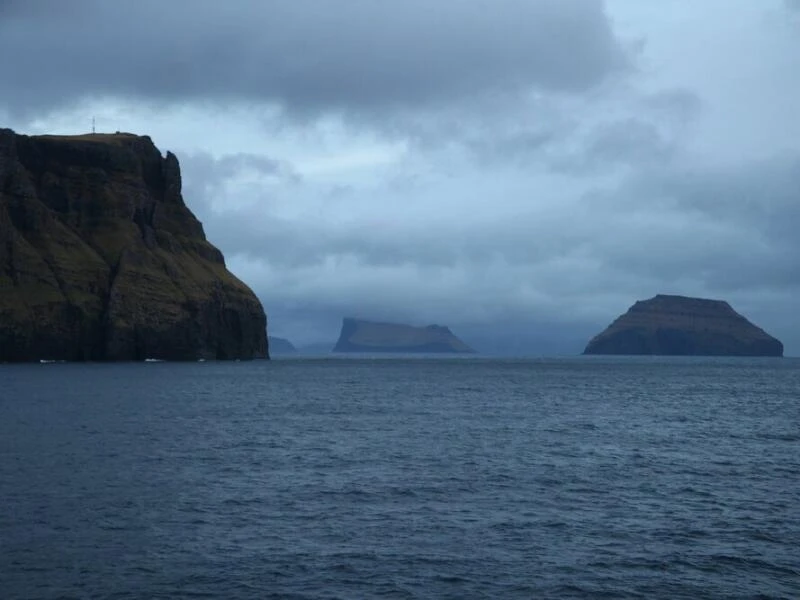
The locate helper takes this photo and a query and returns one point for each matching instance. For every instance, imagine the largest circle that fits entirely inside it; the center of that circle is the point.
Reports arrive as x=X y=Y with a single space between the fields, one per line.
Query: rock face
x=368 y=336
x=279 y=345
x=677 y=325
x=100 y=259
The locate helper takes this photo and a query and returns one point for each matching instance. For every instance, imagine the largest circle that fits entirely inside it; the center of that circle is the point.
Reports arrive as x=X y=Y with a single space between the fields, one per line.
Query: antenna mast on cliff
x=92 y=125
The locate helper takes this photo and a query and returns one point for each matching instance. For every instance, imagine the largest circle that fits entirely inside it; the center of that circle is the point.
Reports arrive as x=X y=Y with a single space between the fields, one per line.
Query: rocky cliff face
x=100 y=259
x=677 y=325
x=278 y=345
x=367 y=336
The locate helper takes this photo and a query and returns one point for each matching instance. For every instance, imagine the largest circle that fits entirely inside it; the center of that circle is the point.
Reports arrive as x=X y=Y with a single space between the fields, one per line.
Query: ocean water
x=397 y=478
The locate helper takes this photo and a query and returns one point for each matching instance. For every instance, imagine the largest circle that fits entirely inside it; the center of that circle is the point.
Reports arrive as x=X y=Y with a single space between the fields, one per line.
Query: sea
x=388 y=477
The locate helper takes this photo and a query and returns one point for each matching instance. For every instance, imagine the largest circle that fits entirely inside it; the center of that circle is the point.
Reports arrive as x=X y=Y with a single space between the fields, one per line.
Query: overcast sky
x=518 y=169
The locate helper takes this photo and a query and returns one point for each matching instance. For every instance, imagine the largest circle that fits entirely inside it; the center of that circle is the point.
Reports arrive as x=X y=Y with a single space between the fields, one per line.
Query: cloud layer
x=304 y=55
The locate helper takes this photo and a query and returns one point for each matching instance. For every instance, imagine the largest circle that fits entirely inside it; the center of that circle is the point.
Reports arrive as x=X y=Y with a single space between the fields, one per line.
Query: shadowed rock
x=677 y=325
x=100 y=259
x=367 y=336
x=279 y=345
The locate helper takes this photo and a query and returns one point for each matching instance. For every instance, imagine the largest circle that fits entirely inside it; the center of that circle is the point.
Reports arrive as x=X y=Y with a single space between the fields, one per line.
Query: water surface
x=397 y=478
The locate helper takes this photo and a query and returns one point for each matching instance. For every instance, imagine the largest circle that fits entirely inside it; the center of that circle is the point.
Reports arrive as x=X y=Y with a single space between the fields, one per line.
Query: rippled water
x=473 y=478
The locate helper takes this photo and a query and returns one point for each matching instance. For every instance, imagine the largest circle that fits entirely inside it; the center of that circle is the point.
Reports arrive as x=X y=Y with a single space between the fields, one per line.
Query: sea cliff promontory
x=684 y=326
x=100 y=258
x=358 y=335
x=279 y=345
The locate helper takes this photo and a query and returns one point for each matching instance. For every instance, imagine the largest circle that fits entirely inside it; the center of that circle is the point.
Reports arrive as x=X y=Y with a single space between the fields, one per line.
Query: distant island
x=368 y=336
x=101 y=260
x=684 y=326
x=278 y=345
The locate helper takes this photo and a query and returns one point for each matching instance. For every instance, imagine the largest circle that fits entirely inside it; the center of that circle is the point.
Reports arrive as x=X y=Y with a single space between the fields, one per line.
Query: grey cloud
x=731 y=229
x=630 y=142
x=572 y=137
x=307 y=55
x=672 y=221
x=517 y=147
x=260 y=232
x=762 y=195
x=204 y=175
x=232 y=164
x=675 y=106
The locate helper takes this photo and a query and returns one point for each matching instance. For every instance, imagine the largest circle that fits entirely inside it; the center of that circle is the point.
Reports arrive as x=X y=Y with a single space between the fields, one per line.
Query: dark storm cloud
x=307 y=55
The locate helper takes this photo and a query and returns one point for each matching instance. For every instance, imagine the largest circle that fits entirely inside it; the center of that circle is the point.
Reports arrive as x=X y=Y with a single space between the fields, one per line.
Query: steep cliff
x=677 y=325
x=367 y=336
x=100 y=259
x=278 y=345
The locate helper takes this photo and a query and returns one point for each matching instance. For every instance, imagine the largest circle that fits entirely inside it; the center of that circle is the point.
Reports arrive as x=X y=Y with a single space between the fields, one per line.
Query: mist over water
x=402 y=478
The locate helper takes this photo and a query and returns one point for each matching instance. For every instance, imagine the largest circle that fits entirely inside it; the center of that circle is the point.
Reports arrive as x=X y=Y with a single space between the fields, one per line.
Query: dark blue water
x=475 y=478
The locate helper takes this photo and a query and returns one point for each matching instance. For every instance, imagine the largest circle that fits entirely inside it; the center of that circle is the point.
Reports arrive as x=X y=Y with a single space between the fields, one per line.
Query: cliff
x=368 y=336
x=279 y=345
x=100 y=259
x=677 y=325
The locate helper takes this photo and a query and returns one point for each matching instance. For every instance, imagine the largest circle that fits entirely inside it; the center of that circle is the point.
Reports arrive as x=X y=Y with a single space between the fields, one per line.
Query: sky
x=519 y=170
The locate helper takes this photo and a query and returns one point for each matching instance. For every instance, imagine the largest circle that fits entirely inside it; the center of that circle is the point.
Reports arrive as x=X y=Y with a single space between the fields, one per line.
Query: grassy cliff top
x=101 y=138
